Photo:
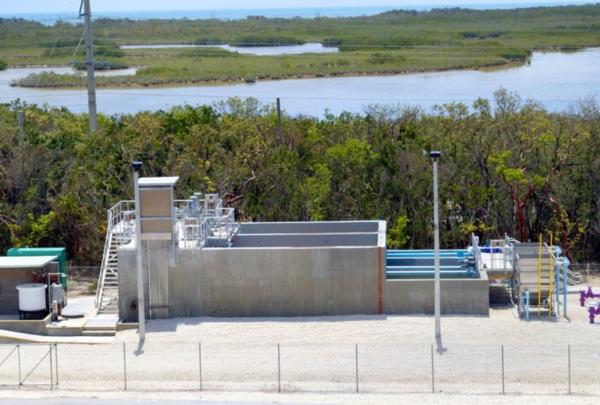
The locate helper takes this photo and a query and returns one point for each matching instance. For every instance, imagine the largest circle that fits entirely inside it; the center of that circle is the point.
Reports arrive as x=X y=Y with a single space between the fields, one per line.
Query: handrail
x=105 y=254
x=115 y=215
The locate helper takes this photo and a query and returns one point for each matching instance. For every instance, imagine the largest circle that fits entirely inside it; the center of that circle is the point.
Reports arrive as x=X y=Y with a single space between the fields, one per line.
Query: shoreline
x=299 y=76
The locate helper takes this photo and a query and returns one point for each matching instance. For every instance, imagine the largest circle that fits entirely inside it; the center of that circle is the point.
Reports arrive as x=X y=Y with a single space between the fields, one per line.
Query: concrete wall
x=33 y=326
x=306 y=240
x=459 y=296
x=309 y=227
x=308 y=234
x=263 y=282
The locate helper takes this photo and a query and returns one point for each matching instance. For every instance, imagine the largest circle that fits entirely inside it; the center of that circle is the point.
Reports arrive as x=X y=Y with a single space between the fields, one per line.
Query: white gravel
x=318 y=363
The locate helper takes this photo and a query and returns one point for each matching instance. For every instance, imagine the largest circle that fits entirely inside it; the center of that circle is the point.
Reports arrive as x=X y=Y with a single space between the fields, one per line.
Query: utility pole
x=21 y=123
x=279 y=135
x=435 y=155
x=89 y=53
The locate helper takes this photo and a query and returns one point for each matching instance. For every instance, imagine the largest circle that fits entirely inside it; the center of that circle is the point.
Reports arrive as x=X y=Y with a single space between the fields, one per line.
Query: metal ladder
x=119 y=232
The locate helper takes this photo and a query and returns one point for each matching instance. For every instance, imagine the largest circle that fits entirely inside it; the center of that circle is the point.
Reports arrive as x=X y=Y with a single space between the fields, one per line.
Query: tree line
x=508 y=167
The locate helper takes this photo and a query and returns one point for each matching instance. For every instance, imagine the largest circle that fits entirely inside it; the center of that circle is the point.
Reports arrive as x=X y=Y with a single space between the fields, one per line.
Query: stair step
x=97 y=333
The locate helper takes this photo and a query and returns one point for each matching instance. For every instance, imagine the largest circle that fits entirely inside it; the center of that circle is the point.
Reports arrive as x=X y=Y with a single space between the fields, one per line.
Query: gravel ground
x=317 y=359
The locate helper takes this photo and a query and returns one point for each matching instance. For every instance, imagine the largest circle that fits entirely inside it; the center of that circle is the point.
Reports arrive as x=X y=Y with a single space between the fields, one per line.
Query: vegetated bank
x=513 y=168
x=392 y=42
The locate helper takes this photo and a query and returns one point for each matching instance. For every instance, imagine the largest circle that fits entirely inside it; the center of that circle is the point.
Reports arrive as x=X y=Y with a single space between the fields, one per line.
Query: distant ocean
x=237 y=14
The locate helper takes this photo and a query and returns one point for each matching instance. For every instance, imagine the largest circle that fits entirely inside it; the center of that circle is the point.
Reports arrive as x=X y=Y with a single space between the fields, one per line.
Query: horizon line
x=407 y=7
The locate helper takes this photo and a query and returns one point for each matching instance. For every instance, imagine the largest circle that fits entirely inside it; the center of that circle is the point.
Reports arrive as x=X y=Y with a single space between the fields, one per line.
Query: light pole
x=137 y=167
x=435 y=155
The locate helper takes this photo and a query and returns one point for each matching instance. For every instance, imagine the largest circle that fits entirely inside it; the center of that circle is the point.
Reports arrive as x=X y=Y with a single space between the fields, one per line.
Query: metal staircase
x=200 y=223
x=119 y=232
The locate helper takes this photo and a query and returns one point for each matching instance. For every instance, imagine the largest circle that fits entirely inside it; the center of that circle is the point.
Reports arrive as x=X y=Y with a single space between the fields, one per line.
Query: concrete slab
x=108 y=321
x=8 y=337
x=78 y=307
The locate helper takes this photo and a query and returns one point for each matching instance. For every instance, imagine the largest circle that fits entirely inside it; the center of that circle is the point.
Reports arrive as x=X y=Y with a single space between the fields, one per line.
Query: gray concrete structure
x=264 y=282
x=458 y=296
x=290 y=269
x=295 y=278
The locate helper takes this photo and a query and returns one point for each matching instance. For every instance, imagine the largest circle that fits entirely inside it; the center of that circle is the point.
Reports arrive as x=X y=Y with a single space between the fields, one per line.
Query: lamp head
x=137 y=165
x=435 y=154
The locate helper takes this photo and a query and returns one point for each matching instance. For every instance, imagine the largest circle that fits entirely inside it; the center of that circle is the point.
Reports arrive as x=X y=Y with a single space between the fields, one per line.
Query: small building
x=15 y=271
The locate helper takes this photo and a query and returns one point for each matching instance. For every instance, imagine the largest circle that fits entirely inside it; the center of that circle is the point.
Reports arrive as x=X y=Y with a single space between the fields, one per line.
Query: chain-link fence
x=371 y=368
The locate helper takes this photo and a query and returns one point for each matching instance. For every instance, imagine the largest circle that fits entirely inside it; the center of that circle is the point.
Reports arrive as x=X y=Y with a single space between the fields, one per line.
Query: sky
x=62 y=6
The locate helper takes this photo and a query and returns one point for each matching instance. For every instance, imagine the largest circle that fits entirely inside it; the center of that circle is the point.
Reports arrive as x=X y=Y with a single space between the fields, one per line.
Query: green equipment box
x=60 y=253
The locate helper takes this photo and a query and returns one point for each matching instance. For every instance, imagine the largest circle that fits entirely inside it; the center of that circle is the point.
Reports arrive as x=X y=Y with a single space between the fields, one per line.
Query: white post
x=436 y=244
x=138 y=247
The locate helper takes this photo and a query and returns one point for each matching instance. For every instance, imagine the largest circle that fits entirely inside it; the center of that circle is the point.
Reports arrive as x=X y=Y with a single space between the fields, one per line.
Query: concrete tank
x=32 y=297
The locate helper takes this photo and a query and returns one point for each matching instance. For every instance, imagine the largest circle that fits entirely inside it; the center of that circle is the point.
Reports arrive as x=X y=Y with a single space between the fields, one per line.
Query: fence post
x=200 y=364
x=19 y=361
x=51 y=368
x=569 y=362
x=502 y=351
x=356 y=358
x=56 y=361
x=124 y=367
x=278 y=367
x=432 y=372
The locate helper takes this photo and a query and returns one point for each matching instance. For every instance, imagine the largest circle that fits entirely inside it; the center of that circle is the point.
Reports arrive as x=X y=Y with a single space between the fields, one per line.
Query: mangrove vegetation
x=508 y=167
x=388 y=43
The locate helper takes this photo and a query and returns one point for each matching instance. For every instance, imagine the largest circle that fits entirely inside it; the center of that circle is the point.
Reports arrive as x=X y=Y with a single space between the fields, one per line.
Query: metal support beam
x=436 y=244
x=137 y=166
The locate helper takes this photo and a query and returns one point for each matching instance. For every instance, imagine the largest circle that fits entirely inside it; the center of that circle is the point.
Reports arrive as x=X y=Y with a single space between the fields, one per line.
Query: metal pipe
x=436 y=245
x=279 y=367
x=566 y=287
x=138 y=247
x=56 y=361
x=356 y=358
x=200 y=364
x=432 y=372
x=124 y=367
x=51 y=368
x=569 y=366
x=19 y=361
x=503 y=391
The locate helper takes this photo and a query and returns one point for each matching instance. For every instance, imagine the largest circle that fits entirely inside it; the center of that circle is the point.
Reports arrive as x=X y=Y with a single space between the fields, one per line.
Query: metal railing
x=197 y=225
x=119 y=218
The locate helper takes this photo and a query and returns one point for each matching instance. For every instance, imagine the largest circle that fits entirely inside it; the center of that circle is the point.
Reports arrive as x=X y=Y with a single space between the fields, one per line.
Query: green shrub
x=3 y=65
x=100 y=65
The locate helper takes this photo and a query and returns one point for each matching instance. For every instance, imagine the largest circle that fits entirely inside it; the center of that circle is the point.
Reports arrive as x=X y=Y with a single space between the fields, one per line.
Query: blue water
x=331 y=12
x=557 y=80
